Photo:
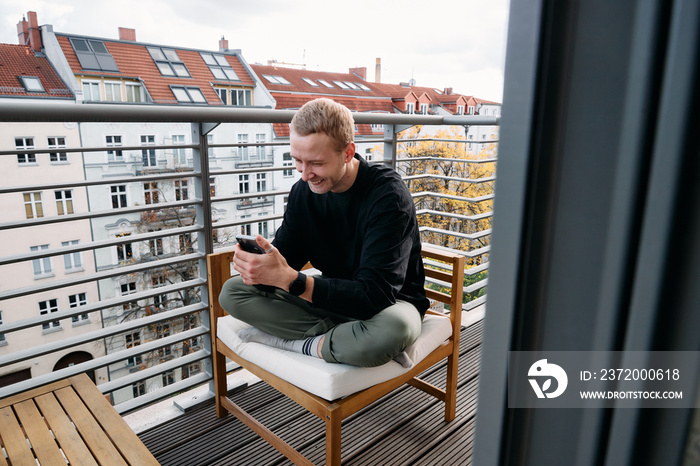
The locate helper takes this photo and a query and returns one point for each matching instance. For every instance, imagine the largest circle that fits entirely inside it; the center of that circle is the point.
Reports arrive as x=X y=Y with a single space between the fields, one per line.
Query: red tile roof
x=20 y=60
x=134 y=61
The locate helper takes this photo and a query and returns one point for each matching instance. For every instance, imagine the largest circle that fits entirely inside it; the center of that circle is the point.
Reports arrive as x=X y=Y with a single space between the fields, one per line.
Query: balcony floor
x=405 y=427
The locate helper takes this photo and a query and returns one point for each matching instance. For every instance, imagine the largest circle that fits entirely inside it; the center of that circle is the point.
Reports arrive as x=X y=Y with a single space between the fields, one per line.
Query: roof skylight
x=93 y=55
x=219 y=66
x=276 y=79
x=310 y=82
x=32 y=84
x=168 y=62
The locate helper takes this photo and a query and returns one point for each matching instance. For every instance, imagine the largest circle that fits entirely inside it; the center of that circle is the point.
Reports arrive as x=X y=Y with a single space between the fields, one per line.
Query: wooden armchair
x=333 y=411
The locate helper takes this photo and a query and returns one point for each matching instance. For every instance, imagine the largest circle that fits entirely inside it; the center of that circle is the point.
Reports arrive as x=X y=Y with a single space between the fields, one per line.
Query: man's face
x=322 y=167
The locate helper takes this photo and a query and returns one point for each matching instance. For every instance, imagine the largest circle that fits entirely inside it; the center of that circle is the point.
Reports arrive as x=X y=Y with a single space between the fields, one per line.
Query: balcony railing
x=144 y=235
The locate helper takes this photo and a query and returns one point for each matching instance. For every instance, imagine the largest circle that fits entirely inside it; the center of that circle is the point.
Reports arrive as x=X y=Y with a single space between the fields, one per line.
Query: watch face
x=298 y=286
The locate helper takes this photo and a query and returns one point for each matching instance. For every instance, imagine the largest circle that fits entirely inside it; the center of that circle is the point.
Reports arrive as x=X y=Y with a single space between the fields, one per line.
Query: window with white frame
x=2 y=335
x=77 y=300
x=150 y=192
x=410 y=107
x=287 y=162
x=46 y=308
x=148 y=156
x=168 y=378
x=32 y=205
x=210 y=141
x=114 y=155
x=276 y=79
x=261 y=182
x=222 y=92
x=25 y=144
x=241 y=97
x=460 y=110
x=262 y=228
x=192 y=95
x=245 y=229
x=124 y=251
x=168 y=62
x=72 y=261
x=58 y=142
x=118 y=193
x=219 y=66
x=93 y=54
x=138 y=388
x=162 y=331
x=310 y=82
x=179 y=155
x=32 y=84
x=326 y=83
x=113 y=91
x=127 y=289
x=424 y=109
x=155 y=245
x=471 y=110
x=260 y=139
x=91 y=91
x=64 y=201
x=132 y=340
x=159 y=300
x=134 y=92
x=341 y=85
x=42 y=267
x=243 y=184
x=243 y=151
x=212 y=186
x=181 y=190
x=185 y=240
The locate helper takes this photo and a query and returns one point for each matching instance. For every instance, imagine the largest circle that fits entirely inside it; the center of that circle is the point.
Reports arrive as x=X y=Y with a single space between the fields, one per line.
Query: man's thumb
x=263 y=243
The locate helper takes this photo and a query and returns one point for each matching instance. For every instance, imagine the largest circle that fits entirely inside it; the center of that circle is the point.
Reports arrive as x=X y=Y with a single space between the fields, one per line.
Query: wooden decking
x=405 y=427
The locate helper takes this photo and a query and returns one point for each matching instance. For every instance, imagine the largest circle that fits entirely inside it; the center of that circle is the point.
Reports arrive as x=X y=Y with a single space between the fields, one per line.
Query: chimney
x=223 y=44
x=23 y=32
x=361 y=72
x=378 y=71
x=127 y=34
x=448 y=90
x=34 y=32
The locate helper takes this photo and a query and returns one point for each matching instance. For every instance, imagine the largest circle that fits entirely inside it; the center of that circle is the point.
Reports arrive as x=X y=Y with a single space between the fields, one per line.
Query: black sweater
x=365 y=241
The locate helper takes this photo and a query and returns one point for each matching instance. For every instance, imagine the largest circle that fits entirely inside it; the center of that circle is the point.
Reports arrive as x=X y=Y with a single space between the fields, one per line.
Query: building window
x=243 y=150
x=326 y=83
x=185 y=243
x=460 y=110
x=155 y=245
x=363 y=87
x=42 y=267
x=341 y=85
x=148 y=156
x=127 y=289
x=46 y=308
x=134 y=92
x=114 y=155
x=113 y=92
x=310 y=82
x=261 y=182
x=118 y=196
x=287 y=162
x=124 y=251
x=212 y=186
x=32 y=205
x=72 y=261
x=78 y=300
x=180 y=155
x=471 y=110
x=32 y=84
x=132 y=340
x=219 y=66
x=276 y=79
x=262 y=228
x=57 y=143
x=2 y=335
x=93 y=55
x=138 y=389
x=168 y=378
x=424 y=109
x=91 y=91
x=410 y=107
x=25 y=144
x=243 y=184
x=160 y=300
x=181 y=191
x=188 y=94
x=168 y=62
x=223 y=94
x=241 y=97
x=150 y=192
x=245 y=229
x=260 y=139
x=64 y=201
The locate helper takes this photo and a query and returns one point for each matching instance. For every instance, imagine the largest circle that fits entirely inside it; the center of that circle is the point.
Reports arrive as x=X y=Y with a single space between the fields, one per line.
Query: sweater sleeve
x=390 y=229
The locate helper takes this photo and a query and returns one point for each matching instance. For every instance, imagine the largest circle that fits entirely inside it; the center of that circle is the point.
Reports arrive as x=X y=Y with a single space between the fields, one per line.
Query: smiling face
x=321 y=166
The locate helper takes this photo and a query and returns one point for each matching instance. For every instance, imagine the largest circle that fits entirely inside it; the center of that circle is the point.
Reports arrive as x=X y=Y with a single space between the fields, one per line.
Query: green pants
x=366 y=343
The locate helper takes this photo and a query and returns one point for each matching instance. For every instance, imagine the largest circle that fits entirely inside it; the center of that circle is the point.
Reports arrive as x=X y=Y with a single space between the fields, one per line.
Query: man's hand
x=270 y=268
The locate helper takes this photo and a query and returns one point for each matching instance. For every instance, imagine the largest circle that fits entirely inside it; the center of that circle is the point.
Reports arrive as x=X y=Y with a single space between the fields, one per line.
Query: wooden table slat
x=45 y=447
x=97 y=441
x=13 y=437
x=123 y=437
x=64 y=431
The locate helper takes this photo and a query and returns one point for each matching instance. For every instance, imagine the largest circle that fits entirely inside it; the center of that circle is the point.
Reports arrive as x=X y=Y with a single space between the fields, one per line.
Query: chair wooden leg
x=451 y=388
x=220 y=385
x=333 y=439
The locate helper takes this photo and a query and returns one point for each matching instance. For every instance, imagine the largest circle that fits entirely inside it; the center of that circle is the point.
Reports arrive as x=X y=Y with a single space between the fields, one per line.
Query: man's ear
x=349 y=151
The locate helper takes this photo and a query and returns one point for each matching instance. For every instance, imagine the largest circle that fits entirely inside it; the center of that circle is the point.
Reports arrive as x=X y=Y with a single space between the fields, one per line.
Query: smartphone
x=249 y=244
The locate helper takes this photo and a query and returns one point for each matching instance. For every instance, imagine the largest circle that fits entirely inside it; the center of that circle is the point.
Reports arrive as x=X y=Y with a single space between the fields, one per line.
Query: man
x=357 y=224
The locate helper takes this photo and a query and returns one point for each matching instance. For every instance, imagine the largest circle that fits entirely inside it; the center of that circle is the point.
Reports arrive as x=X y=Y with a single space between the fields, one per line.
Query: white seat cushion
x=327 y=380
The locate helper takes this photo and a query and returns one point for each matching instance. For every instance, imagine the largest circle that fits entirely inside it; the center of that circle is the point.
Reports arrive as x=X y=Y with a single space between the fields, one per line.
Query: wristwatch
x=298 y=286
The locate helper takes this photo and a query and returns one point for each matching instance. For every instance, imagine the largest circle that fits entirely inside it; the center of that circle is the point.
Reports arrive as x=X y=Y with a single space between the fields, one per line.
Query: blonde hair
x=328 y=117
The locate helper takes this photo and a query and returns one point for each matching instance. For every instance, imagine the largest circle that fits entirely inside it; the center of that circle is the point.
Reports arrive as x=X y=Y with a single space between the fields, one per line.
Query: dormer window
x=93 y=55
x=32 y=84
x=424 y=109
x=460 y=110
x=168 y=62
x=471 y=110
x=219 y=66
x=276 y=79
x=410 y=107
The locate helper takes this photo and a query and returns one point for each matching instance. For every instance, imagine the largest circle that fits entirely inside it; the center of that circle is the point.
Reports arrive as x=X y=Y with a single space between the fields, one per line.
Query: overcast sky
x=439 y=43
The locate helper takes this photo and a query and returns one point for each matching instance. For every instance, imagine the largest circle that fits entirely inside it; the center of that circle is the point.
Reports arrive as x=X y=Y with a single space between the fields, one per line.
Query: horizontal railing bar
x=104 y=332
x=477 y=269
x=466 y=141
x=219 y=225
x=449 y=178
x=18 y=292
x=441 y=159
x=101 y=213
x=100 y=182
x=172 y=389
x=476 y=286
x=237 y=197
x=98 y=244
x=477 y=235
x=453 y=197
x=14 y=326
x=453 y=215
x=98 y=149
x=25 y=111
x=474 y=303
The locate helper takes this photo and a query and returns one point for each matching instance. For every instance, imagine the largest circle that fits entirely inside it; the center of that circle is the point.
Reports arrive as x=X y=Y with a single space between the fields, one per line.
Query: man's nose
x=305 y=172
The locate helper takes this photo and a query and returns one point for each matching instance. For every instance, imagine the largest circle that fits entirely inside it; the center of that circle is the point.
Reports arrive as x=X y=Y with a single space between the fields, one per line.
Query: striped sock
x=308 y=346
